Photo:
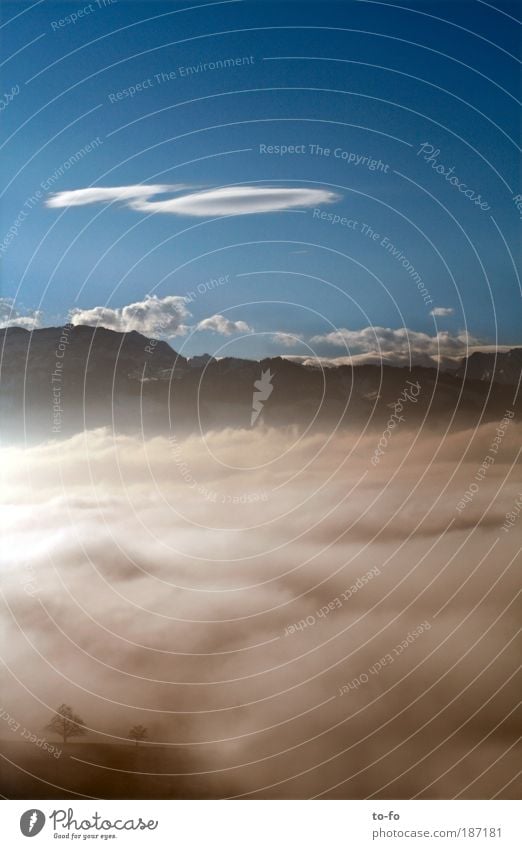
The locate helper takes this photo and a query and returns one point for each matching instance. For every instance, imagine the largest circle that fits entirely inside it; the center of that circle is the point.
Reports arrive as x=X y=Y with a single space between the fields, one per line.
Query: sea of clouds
x=179 y=584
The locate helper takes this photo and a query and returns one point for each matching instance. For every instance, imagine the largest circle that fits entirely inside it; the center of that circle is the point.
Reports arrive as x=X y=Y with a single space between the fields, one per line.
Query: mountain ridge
x=57 y=381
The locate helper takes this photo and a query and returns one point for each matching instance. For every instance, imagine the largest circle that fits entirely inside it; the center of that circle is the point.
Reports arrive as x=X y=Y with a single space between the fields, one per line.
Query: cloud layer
x=159 y=582
x=233 y=200
x=399 y=346
x=10 y=316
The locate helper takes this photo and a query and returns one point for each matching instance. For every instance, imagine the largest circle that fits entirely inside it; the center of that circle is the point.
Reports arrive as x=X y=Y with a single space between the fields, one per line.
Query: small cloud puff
x=225 y=326
x=442 y=311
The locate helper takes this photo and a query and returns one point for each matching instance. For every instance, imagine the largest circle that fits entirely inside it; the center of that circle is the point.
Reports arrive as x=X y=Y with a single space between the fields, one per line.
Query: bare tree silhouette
x=66 y=723
x=138 y=733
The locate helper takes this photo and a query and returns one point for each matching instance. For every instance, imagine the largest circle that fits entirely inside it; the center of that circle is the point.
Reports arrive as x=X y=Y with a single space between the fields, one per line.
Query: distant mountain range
x=55 y=382
x=505 y=367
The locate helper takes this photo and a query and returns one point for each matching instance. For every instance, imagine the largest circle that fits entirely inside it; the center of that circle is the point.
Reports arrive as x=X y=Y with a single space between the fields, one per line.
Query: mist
x=291 y=619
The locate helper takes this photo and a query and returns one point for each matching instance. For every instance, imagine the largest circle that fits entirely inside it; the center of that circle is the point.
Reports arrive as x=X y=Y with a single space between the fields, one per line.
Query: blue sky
x=369 y=82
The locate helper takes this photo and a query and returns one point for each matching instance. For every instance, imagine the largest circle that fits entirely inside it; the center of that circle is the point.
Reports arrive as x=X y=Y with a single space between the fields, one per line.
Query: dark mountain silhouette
x=56 y=381
x=503 y=367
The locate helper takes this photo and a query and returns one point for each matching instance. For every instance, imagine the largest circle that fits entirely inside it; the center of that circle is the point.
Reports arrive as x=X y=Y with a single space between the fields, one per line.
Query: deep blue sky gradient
x=437 y=83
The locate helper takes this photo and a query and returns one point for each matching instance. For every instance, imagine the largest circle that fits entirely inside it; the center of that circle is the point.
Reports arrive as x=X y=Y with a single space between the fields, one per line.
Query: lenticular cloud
x=228 y=200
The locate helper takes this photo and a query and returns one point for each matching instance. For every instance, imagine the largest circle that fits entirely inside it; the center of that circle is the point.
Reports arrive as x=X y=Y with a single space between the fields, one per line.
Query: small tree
x=66 y=723
x=138 y=733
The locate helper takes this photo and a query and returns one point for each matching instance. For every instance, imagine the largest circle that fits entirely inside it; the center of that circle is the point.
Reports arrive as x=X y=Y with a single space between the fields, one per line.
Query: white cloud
x=225 y=326
x=231 y=200
x=11 y=317
x=392 y=359
x=156 y=316
x=442 y=311
x=85 y=197
x=288 y=340
x=398 y=346
x=161 y=316
x=241 y=200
